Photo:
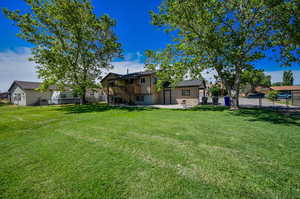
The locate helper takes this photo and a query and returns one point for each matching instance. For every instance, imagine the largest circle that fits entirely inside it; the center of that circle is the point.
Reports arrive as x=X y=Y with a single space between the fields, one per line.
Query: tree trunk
x=236 y=94
x=253 y=88
x=82 y=97
x=235 y=101
x=82 y=100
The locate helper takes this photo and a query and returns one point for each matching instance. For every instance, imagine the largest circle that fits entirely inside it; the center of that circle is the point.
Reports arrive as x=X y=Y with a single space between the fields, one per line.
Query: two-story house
x=140 y=88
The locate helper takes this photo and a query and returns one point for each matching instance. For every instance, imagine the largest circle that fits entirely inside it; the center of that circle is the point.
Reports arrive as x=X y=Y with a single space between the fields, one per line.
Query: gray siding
x=22 y=97
x=36 y=97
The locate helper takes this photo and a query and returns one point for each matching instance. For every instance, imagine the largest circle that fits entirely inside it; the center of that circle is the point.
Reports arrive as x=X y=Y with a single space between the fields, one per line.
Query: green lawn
x=98 y=152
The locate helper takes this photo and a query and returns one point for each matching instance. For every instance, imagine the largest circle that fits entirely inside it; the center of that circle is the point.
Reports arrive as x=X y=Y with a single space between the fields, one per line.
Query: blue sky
x=133 y=24
x=133 y=28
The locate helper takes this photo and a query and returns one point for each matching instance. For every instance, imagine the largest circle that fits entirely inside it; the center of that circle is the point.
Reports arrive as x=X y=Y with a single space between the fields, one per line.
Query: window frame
x=140 y=98
x=131 y=81
x=154 y=80
x=143 y=80
x=186 y=92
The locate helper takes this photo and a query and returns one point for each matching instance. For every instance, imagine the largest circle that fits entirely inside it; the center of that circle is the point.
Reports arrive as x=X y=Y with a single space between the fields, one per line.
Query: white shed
x=26 y=93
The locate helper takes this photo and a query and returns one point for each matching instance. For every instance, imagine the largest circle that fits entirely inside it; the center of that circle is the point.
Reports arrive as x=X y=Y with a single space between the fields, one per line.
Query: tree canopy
x=72 y=45
x=286 y=15
x=227 y=36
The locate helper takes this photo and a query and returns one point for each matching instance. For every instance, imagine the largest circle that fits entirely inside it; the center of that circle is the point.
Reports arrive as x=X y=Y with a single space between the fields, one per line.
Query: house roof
x=185 y=83
x=109 y=74
x=25 y=85
x=130 y=75
x=285 y=88
x=191 y=83
x=138 y=74
x=4 y=95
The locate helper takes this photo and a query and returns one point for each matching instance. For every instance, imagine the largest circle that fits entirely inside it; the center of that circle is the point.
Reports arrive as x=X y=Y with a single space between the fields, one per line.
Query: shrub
x=215 y=90
x=272 y=95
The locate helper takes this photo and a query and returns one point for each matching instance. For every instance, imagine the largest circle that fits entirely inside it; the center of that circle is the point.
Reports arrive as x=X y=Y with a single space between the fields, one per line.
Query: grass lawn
x=74 y=152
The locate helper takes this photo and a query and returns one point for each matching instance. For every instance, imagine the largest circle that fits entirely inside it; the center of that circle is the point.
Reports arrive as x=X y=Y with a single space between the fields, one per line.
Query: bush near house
x=272 y=95
x=97 y=151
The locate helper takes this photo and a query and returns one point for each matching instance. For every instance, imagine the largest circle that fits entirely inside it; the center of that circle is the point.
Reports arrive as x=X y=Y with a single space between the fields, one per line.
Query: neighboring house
x=27 y=94
x=64 y=97
x=263 y=89
x=95 y=95
x=285 y=89
x=4 y=96
x=140 y=88
x=293 y=90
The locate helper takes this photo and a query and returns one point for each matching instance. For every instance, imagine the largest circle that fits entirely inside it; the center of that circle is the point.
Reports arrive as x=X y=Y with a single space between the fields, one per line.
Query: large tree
x=227 y=36
x=288 y=78
x=72 y=45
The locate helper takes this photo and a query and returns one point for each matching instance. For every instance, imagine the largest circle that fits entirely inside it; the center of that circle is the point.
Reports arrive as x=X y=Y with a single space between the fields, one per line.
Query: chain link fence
x=296 y=98
x=290 y=103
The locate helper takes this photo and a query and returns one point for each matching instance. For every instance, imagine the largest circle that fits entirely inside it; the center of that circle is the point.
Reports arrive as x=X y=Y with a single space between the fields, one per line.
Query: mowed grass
x=97 y=151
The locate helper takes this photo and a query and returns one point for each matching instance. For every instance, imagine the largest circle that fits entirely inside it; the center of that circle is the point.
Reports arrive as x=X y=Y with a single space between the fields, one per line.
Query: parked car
x=256 y=95
x=284 y=96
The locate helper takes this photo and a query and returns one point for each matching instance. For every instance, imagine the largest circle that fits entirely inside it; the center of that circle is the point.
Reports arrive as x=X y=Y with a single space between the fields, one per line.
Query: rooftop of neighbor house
x=26 y=85
x=286 y=88
x=3 y=94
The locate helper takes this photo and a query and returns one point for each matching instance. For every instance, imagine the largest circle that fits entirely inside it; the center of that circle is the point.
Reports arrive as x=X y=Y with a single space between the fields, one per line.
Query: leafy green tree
x=272 y=95
x=215 y=90
x=72 y=45
x=227 y=36
x=254 y=78
x=288 y=78
x=286 y=15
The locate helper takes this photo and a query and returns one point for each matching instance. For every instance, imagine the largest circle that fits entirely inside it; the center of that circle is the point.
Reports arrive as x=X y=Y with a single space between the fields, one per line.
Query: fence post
x=260 y=102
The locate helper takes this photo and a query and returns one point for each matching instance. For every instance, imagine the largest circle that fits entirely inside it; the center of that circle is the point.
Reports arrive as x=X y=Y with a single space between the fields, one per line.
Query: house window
x=130 y=81
x=143 y=80
x=63 y=95
x=140 y=98
x=186 y=92
x=111 y=84
x=17 y=97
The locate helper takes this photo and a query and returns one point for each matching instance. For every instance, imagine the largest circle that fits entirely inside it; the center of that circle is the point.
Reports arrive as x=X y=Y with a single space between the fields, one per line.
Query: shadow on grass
x=253 y=114
x=70 y=109
x=271 y=116
x=250 y=114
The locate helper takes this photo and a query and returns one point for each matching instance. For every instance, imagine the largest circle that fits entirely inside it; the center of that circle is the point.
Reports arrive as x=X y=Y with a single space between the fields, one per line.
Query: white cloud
x=132 y=66
x=277 y=75
x=14 y=65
